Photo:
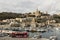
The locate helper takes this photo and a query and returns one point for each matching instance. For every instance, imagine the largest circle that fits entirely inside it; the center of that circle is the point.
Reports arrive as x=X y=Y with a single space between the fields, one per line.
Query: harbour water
x=48 y=34
x=52 y=32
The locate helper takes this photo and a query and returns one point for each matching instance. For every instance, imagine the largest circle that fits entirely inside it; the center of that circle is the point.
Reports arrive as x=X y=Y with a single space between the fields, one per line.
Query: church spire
x=46 y=12
x=37 y=10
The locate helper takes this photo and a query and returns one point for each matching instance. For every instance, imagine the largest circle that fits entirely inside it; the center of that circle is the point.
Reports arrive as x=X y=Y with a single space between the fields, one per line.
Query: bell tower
x=37 y=13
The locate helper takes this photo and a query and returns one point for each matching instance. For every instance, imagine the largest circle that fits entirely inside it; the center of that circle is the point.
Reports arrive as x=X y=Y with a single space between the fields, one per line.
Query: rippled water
x=48 y=34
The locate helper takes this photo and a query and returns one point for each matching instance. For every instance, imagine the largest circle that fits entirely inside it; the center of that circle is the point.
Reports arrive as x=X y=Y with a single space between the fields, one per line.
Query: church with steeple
x=37 y=13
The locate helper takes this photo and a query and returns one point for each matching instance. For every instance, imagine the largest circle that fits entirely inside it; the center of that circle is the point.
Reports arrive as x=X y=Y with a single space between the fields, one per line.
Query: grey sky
x=29 y=5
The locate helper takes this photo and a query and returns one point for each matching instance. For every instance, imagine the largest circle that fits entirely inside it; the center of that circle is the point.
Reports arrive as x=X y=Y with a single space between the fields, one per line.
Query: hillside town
x=32 y=19
x=37 y=21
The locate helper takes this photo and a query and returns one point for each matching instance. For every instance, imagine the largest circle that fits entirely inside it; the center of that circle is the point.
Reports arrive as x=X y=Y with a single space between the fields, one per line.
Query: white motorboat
x=41 y=30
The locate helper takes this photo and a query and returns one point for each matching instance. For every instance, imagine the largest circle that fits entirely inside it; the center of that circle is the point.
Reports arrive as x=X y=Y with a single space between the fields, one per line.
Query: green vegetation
x=57 y=18
x=9 y=15
x=41 y=20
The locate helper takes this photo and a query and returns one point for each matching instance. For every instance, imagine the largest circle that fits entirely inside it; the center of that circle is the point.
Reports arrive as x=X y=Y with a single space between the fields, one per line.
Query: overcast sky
x=29 y=5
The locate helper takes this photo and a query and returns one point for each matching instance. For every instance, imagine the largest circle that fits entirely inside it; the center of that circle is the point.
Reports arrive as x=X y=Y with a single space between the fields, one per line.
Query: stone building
x=33 y=23
x=37 y=13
